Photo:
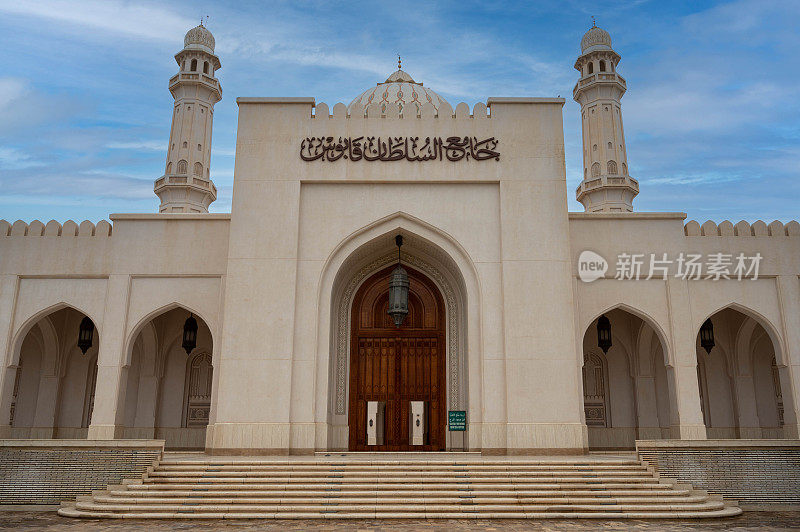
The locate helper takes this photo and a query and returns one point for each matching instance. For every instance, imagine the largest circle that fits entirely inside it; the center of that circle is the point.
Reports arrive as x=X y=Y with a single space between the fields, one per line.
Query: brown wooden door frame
x=397 y=365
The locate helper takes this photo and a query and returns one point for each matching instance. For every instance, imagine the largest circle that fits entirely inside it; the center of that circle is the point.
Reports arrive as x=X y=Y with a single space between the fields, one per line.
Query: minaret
x=186 y=185
x=606 y=185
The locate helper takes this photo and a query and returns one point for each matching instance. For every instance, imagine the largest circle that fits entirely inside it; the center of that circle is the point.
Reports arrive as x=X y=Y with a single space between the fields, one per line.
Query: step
x=107 y=499
x=244 y=508
x=143 y=494
x=379 y=487
x=412 y=479
x=724 y=512
x=399 y=463
x=392 y=474
x=398 y=467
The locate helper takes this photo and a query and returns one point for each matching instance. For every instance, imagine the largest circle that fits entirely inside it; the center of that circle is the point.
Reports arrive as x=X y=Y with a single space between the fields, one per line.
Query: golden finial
x=594 y=25
x=399 y=63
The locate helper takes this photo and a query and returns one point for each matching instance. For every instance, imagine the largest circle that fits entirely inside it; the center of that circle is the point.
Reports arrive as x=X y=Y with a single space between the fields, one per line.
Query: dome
x=595 y=39
x=399 y=89
x=199 y=38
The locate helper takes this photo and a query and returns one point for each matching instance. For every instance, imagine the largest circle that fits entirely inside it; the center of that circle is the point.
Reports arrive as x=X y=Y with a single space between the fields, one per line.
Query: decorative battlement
x=53 y=228
x=427 y=110
x=726 y=228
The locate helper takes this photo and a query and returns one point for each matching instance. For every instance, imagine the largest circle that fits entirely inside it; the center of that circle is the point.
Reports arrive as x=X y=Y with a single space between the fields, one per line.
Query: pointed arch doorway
x=397 y=365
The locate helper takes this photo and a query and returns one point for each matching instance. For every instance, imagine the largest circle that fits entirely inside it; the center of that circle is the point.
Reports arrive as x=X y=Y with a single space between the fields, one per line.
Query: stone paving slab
x=770 y=521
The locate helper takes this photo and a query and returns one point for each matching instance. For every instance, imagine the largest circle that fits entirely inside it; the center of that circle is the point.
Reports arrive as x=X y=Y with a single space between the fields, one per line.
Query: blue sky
x=712 y=114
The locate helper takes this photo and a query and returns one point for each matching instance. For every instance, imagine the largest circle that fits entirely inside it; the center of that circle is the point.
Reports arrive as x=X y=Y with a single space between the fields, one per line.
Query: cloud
x=13 y=158
x=154 y=145
x=134 y=19
x=11 y=89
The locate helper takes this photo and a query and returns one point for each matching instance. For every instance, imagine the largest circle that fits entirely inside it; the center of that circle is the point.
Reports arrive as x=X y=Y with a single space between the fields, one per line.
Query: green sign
x=457 y=420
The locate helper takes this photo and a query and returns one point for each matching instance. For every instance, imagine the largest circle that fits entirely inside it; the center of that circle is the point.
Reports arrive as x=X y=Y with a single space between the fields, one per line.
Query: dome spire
x=399 y=63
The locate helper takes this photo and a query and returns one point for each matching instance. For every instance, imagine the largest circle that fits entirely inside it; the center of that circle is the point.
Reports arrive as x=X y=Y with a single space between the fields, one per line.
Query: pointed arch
x=642 y=315
x=769 y=327
x=136 y=329
x=29 y=323
x=442 y=258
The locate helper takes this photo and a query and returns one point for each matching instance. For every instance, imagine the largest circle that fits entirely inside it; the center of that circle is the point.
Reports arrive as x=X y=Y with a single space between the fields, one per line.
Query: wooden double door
x=397 y=365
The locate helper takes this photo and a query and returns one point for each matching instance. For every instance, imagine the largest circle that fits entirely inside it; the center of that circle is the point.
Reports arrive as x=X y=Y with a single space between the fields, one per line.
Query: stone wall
x=50 y=471
x=753 y=472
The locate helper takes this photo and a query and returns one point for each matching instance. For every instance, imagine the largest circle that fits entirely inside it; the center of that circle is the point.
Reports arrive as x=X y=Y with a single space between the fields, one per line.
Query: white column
x=146 y=403
x=647 y=408
x=8 y=291
x=686 y=416
x=44 y=420
x=746 y=407
x=109 y=397
x=789 y=298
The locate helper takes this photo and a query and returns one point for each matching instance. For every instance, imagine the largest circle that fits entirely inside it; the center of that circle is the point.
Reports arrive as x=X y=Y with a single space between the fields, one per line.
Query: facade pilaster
x=789 y=367
x=109 y=400
x=686 y=420
x=8 y=296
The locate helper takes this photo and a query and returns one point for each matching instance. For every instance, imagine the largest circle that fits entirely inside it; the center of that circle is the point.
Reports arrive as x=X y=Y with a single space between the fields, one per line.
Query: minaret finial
x=399 y=63
x=594 y=24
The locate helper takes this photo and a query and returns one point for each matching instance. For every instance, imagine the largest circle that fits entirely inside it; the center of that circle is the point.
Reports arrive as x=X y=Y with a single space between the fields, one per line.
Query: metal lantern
x=85 y=334
x=398 y=289
x=189 y=334
x=603 y=333
x=707 y=336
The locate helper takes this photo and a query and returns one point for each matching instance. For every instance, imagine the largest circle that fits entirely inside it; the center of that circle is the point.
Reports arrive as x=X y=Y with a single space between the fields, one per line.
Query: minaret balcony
x=611 y=181
x=182 y=180
x=195 y=77
x=599 y=77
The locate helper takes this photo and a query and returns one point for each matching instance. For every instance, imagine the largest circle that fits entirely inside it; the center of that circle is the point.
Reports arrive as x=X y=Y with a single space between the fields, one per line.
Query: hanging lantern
x=398 y=289
x=189 y=334
x=85 y=334
x=707 y=336
x=603 y=333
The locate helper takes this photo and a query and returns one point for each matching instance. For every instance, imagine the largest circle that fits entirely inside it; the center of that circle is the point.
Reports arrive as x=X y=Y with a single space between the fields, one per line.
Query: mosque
x=399 y=274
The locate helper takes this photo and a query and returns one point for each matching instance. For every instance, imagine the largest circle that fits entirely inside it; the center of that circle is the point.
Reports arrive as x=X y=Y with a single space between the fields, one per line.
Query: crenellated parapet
x=54 y=228
x=427 y=110
x=743 y=228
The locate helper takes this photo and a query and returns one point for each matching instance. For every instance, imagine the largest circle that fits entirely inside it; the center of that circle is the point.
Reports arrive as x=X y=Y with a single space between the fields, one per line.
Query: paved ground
x=27 y=521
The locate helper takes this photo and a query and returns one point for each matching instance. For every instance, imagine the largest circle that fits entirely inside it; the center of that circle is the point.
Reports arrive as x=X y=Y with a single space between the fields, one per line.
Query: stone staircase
x=414 y=487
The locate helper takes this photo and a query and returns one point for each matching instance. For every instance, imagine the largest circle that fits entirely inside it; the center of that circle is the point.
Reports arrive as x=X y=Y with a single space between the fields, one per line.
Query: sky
x=712 y=114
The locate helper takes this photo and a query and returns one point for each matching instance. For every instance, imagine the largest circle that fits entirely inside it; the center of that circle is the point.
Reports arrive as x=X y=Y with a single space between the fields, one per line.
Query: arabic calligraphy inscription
x=390 y=149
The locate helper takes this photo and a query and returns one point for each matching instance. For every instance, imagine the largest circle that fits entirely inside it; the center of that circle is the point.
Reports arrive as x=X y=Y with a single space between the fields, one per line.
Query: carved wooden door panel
x=397 y=365
x=198 y=391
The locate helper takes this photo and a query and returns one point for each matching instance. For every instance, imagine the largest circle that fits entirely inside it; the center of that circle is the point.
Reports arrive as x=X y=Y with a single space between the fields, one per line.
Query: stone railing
x=609 y=181
x=183 y=180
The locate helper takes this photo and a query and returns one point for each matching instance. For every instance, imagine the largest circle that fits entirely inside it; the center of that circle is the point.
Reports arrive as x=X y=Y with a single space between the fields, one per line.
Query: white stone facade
x=272 y=287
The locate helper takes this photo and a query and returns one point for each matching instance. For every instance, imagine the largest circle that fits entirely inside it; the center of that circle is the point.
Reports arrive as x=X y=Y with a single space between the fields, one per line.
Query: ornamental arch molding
x=150 y=316
x=642 y=315
x=430 y=251
x=772 y=331
x=30 y=322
